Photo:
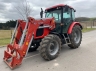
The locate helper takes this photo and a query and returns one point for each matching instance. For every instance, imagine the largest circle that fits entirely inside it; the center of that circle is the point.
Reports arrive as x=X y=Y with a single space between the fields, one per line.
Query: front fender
x=72 y=25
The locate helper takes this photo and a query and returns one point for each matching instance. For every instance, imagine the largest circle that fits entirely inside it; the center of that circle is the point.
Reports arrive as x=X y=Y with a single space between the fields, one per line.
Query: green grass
x=88 y=29
x=4 y=41
x=5 y=35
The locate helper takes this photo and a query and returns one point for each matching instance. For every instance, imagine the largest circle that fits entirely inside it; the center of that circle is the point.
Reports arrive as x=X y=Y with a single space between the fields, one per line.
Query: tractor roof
x=60 y=5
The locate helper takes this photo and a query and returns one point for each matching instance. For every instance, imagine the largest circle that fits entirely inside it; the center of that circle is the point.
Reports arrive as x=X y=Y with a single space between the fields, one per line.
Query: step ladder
x=66 y=38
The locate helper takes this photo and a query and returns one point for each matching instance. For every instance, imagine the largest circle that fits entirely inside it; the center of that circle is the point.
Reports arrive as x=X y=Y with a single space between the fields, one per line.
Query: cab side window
x=73 y=15
x=67 y=15
x=57 y=16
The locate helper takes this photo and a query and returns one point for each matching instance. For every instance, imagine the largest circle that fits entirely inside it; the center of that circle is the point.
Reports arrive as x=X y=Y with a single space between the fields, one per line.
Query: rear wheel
x=50 y=47
x=75 y=37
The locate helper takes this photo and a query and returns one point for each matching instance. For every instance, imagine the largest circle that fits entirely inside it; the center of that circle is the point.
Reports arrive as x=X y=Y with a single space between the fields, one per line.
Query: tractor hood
x=45 y=20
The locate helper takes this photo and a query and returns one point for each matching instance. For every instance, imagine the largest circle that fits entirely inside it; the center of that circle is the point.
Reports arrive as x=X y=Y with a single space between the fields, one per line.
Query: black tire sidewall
x=73 y=43
x=34 y=49
x=45 y=44
x=47 y=52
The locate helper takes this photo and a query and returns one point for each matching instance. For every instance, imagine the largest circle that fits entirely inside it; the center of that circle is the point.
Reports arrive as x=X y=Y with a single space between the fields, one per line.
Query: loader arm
x=25 y=33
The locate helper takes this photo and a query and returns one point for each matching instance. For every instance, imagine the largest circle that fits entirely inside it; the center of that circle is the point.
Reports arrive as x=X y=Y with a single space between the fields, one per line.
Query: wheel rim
x=53 y=48
x=77 y=36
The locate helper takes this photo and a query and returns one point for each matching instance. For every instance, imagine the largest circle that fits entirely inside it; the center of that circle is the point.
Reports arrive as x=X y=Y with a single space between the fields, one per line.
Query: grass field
x=5 y=35
x=88 y=29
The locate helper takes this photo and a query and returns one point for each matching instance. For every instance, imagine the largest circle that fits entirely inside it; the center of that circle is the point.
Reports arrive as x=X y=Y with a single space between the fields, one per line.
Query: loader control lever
x=41 y=13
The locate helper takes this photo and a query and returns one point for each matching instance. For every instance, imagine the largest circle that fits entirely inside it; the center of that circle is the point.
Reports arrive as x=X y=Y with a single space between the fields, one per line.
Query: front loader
x=48 y=34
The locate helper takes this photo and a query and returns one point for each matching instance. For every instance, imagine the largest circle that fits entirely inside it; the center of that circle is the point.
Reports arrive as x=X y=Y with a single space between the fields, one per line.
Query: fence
x=88 y=24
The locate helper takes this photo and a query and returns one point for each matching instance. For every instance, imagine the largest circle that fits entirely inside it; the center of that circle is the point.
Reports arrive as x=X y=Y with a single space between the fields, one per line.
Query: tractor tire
x=75 y=37
x=50 y=47
x=32 y=49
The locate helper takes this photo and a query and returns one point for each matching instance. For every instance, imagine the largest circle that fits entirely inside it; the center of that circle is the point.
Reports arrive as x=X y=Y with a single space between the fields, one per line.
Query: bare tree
x=24 y=9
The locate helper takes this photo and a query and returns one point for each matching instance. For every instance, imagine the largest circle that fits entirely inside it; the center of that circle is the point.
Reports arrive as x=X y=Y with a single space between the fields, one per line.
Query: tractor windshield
x=55 y=13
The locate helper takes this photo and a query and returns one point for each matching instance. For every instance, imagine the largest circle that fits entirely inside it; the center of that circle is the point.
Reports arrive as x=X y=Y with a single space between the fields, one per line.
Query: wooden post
x=86 y=25
x=11 y=32
x=91 y=23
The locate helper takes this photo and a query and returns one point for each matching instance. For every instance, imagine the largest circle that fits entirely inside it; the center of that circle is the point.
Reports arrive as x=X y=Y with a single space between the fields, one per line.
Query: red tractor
x=47 y=34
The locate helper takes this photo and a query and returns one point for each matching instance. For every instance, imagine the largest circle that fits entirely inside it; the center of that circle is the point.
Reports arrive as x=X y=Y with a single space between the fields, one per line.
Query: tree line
x=79 y=19
x=11 y=24
x=7 y=25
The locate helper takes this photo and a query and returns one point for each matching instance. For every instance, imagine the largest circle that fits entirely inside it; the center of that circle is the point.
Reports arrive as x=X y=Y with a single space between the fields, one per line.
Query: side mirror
x=41 y=13
x=74 y=10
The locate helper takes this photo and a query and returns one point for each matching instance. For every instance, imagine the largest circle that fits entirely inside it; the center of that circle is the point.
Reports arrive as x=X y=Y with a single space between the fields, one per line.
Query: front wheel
x=75 y=37
x=50 y=47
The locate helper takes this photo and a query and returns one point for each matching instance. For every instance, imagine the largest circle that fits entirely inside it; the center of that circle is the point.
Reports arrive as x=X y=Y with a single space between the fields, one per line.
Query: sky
x=8 y=8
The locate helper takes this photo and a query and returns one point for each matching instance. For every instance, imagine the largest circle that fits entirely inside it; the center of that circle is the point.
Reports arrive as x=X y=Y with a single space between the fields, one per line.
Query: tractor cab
x=63 y=14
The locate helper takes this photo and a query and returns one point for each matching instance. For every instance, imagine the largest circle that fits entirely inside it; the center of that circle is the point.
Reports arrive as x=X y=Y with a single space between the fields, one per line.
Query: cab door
x=67 y=19
x=57 y=16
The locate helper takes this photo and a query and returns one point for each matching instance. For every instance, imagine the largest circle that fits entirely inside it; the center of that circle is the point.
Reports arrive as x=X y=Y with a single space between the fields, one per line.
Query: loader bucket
x=11 y=57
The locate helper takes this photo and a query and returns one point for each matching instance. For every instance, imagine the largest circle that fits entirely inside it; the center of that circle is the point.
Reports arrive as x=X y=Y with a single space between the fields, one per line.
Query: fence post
x=11 y=32
x=86 y=25
x=91 y=23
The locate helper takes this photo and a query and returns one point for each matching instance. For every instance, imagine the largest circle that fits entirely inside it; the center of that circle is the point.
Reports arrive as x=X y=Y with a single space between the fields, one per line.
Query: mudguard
x=72 y=25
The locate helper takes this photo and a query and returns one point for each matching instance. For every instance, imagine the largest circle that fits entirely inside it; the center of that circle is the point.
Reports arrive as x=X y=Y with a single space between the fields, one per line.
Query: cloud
x=8 y=10
x=85 y=8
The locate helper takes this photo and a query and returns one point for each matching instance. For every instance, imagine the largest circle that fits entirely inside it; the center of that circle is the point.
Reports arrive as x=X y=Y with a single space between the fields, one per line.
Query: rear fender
x=72 y=25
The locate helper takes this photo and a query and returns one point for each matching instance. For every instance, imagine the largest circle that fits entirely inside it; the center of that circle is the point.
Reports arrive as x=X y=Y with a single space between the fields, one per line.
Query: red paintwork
x=19 y=33
x=60 y=5
x=20 y=51
x=72 y=25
